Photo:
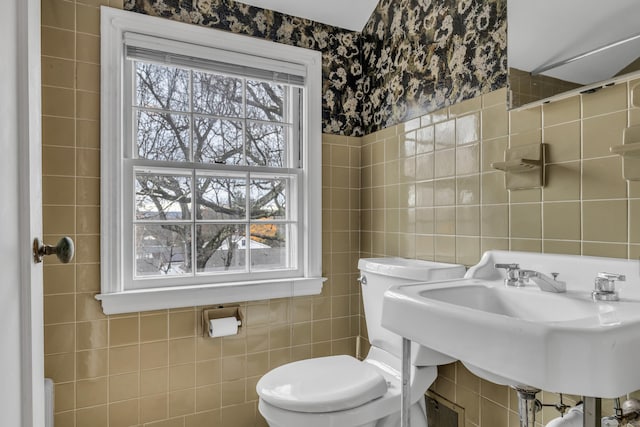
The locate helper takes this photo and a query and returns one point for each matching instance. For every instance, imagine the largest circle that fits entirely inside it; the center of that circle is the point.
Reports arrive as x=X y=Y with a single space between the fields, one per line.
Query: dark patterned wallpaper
x=422 y=55
x=341 y=56
x=414 y=56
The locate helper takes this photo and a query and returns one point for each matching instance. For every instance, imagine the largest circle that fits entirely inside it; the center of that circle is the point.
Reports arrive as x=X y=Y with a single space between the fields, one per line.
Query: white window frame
x=115 y=299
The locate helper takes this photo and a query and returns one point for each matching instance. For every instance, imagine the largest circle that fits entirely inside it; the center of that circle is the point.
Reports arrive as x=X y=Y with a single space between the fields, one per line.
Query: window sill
x=175 y=297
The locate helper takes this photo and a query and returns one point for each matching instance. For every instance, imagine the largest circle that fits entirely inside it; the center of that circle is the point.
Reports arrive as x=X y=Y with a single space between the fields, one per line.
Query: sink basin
x=559 y=342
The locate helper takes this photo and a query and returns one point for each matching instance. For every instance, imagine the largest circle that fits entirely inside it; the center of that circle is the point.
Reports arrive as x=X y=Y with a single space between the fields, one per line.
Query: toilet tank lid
x=323 y=384
x=412 y=269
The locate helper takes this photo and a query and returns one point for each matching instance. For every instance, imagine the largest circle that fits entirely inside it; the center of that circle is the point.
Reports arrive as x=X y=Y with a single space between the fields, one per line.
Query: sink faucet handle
x=612 y=276
x=513 y=274
x=605 y=286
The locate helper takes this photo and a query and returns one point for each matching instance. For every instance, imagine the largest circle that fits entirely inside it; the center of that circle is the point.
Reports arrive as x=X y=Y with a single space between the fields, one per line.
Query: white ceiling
x=349 y=14
x=543 y=32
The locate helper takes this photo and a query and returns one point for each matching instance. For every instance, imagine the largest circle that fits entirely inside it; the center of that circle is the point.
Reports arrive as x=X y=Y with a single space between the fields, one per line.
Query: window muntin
x=214 y=177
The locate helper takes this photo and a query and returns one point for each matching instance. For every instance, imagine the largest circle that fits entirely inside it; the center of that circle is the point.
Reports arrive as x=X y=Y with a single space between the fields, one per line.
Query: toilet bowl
x=341 y=391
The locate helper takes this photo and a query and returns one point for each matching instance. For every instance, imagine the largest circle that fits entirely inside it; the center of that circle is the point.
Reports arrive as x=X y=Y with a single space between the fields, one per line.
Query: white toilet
x=341 y=391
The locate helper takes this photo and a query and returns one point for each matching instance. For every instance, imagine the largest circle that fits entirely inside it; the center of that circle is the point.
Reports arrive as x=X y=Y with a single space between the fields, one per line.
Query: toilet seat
x=324 y=384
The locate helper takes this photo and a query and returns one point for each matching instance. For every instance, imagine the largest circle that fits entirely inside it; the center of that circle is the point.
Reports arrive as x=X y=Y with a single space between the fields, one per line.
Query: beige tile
x=526 y=221
x=182 y=324
x=208 y=397
x=65 y=397
x=495 y=221
x=487 y=244
x=466 y=106
x=526 y=120
x=467 y=159
x=493 y=188
x=467 y=220
x=605 y=100
x=182 y=377
x=58 y=191
x=87 y=219
x=92 y=417
x=424 y=194
x=153 y=408
x=467 y=129
x=87 y=249
x=444 y=192
x=634 y=224
x=526 y=245
x=425 y=140
x=88 y=105
x=233 y=392
x=58 y=102
x=58 y=219
x=563 y=142
x=561 y=247
x=493 y=151
x=468 y=190
x=154 y=327
x=496 y=97
x=445 y=135
x=154 y=381
x=58 y=309
x=125 y=413
x=123 y=387
x=123 y=331
x=445 y=163
x=91 y=392
x=425 y=221
x=239 y=415
x=124 y=359
x=209 y=418
x=525 y=196
x=492 y=414
x=425 y=166
x=88 y=277
x=609 y=250
x=87 y=19
x=470 y=401
x=59 y=338
x=495 y=122
x=561 y=220
x=182 y=350
x=494 y=392
x=58 y=43
x=445 y=220
x=58 y=72
x=59 y=279
x=445 y=249
x=467 y=250
x=87 y=190
x=88 y=133
x=605 y=221
x=208 y=372
x=563 y=182
x=602 y=179
x=601 y=132
x=60 y=367
x=566 y=110
x=91 y=363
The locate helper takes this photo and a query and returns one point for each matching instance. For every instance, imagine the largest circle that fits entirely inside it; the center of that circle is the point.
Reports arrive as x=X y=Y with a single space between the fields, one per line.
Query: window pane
x=163 y=250
x=221 y=198
x=162 y=136
x=269 y=246
x=220 y=248
x=266 y=145
x=218 y=141
x=217 y=95
x=165 y=88
x=268 y=198
x=163 y=197
x=265 y=101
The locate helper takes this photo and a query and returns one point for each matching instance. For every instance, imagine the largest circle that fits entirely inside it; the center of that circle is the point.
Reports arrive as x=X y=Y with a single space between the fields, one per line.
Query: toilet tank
x=378 y=274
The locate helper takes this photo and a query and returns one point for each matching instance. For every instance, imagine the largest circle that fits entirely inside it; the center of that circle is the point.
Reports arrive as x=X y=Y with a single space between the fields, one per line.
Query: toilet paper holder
x=218 y=313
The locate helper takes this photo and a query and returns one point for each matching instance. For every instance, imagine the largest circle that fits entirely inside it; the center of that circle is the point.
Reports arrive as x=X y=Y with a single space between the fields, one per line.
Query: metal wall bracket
x=523 y=166
x=630 y=152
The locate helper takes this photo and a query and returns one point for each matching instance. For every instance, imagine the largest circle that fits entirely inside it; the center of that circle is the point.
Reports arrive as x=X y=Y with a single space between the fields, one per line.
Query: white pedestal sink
x=559 y=342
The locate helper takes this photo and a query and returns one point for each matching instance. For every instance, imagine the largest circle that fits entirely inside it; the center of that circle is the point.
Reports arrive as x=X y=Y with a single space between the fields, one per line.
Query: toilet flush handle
x=362 y=279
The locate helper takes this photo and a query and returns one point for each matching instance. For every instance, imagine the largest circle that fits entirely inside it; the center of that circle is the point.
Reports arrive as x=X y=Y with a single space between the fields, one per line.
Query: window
x=210 y=166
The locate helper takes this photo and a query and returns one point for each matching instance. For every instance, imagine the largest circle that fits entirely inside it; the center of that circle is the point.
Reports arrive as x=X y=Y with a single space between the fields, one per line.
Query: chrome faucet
x=543 y=281
x=517 y=277
x=605 y=286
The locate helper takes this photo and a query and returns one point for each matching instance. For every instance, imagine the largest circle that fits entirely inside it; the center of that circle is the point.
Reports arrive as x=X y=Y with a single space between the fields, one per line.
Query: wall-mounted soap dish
x=630 y=152
x=523 y=167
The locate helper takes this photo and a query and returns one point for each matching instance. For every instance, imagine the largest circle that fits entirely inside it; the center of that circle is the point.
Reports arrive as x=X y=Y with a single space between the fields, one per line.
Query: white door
x=21 y=325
